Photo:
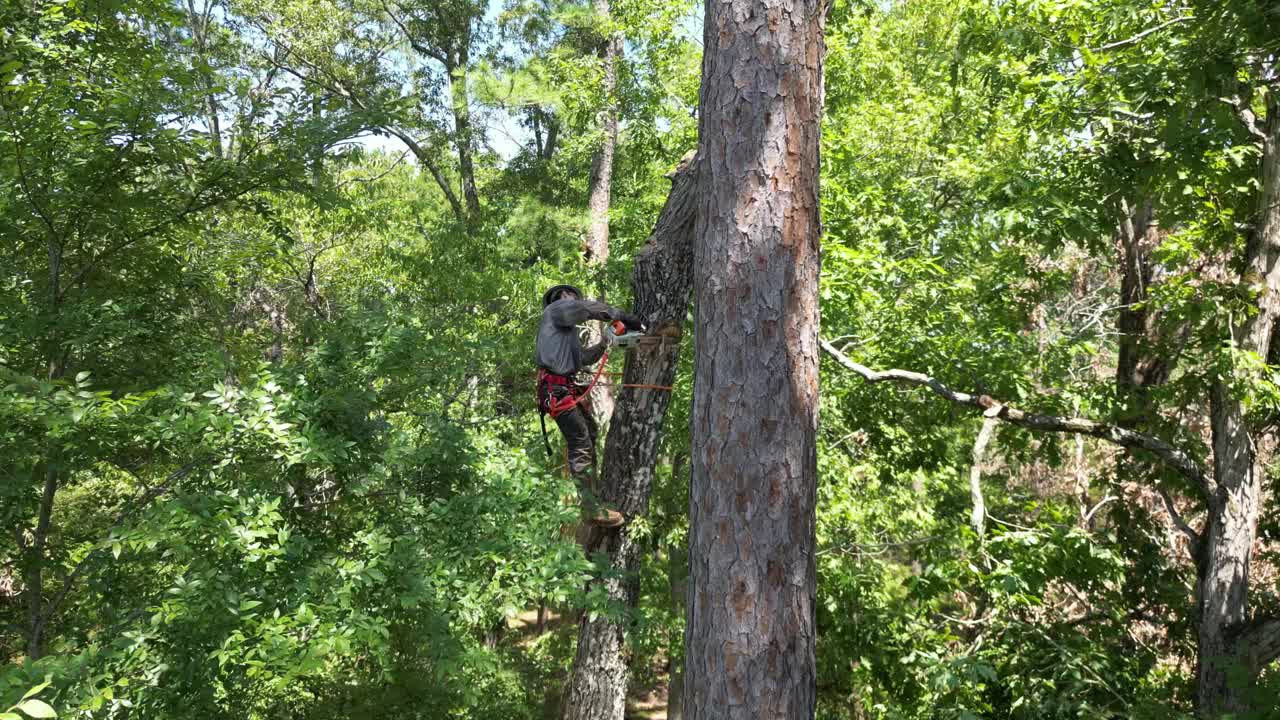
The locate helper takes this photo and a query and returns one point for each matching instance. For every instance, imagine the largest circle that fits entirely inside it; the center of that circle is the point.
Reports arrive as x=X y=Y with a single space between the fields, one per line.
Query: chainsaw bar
x=628 y=339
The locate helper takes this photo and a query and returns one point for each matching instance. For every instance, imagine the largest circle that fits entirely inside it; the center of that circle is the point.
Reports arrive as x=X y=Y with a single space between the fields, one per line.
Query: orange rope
x=638 y=385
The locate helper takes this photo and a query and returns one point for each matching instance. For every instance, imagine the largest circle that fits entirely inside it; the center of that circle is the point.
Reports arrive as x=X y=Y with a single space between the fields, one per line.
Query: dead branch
x=1172 y=456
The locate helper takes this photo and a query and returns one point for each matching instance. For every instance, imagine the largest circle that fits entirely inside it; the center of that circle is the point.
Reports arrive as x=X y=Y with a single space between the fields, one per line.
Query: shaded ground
x=645 y=702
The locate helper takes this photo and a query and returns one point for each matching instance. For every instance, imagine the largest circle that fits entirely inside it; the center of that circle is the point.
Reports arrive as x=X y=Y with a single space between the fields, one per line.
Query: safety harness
x=556 y=403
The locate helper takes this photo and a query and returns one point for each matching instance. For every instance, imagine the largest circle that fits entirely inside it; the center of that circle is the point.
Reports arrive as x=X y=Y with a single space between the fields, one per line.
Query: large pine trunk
x=662 y=278
x=749 y=642
x=1228 y=657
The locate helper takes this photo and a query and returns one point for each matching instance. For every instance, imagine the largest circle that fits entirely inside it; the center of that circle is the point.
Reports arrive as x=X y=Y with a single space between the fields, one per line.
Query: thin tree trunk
x=463 y=134
x=34 y=560
x=200 y=22
x=678 y=586
x=601 y=181
x=750 y=637
x=662 y=277
x=599 y=189
x=1223 y=589
x=34 y=571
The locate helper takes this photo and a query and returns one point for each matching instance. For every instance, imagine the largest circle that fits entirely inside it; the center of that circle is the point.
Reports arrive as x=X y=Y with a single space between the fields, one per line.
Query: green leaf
x=36 y=690
x=37 y=708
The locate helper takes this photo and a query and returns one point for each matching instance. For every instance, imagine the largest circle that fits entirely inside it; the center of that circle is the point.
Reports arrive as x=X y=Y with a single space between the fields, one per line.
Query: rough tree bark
x=599 y=187
x=749 y=643
x=1225 y=639
x=662 y=276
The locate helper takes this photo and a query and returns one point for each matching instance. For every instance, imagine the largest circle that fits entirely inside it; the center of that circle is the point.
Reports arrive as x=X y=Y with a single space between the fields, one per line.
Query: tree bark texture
x=600 y=183
x=1139 y=365
x=749 y=641
x=1224 y=642
x=599 y=187
x=662 y=277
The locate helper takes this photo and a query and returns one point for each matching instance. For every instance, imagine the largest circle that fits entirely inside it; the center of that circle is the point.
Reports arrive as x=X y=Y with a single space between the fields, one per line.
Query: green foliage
x=267 y=431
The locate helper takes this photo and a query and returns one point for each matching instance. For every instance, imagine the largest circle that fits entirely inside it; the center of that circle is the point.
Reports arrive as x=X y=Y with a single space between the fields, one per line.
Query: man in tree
x=560 y=357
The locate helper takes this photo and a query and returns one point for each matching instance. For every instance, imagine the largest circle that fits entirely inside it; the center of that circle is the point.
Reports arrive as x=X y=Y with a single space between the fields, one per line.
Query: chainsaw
x=622 y=337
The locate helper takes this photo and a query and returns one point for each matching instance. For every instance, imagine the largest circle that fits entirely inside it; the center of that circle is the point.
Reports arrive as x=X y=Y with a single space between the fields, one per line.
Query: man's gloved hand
x=633 y=322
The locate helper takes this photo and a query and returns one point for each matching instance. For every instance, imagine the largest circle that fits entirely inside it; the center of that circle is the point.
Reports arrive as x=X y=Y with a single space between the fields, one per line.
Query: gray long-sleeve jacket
x=557 y=349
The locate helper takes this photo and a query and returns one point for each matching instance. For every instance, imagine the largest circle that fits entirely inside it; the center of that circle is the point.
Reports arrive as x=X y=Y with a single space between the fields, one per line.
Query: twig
x=1094 y=510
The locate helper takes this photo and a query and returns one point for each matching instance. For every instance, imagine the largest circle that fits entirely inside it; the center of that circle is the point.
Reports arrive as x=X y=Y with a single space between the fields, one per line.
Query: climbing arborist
x=560 y=357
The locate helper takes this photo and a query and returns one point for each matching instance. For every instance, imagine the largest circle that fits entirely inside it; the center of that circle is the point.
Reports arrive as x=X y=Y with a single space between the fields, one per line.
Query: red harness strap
x=556 y=407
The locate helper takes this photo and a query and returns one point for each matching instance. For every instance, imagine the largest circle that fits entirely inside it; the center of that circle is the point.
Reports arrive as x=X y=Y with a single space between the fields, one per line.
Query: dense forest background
x=270 y=274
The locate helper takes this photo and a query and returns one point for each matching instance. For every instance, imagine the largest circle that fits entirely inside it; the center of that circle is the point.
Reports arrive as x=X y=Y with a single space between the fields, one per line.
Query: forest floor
x=645 y=702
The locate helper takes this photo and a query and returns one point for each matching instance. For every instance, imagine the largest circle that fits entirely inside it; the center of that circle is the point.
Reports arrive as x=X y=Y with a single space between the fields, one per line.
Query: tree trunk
x=33 y=575
x=1223 y=589
x=463 y=134
x=750 y=637
x=599 y=188
x=553 y=133
x=34 y=555
x=1138 y=365
x=661 y=280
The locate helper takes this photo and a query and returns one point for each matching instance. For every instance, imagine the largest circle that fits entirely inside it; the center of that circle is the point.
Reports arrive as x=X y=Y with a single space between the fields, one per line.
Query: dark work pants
x=579 y=430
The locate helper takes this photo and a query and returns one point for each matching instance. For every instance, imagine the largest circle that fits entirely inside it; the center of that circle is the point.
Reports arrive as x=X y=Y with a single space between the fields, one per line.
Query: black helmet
x=553 y=294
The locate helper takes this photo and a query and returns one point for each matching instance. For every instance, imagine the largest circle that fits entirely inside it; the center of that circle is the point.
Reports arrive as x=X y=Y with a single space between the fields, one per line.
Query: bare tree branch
x=1180 y=523
x=1247 y=117
x=1170 y=455
x=373 y=178
x=1149 y=31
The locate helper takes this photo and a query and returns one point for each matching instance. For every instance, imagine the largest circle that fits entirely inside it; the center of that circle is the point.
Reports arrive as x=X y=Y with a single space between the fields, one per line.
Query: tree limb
x=1181 y=524
x=1170 y=455
x=430 y=52
x=1149 y=31
x=430 y=164
x=1246 y=115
